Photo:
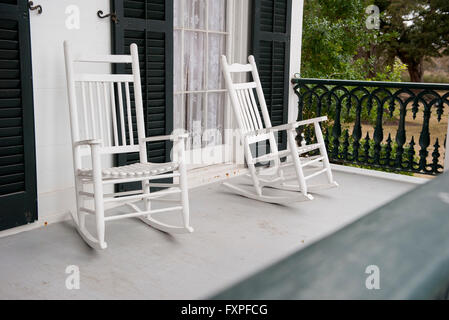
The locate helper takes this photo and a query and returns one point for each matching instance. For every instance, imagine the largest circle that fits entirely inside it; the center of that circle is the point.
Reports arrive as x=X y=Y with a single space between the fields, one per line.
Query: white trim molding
x=40 y=223
x=295 y=55
x=380 y=174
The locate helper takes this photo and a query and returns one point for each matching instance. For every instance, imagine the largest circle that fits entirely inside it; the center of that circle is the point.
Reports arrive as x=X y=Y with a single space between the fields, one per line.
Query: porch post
x=295 y=55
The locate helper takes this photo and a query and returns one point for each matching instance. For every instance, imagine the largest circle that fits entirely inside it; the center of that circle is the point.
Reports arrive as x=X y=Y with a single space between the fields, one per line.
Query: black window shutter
x=149 y=24
x=18 y=193
x=271 y=49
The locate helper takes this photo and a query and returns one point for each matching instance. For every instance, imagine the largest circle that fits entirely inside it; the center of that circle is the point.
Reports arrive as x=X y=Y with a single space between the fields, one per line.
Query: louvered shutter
x=271 y=48
x=149 y=24
x=18 y=197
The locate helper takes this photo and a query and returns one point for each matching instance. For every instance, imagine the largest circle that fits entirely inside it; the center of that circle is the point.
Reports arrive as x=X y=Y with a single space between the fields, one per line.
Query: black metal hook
x=112 y=15
x=31 y=6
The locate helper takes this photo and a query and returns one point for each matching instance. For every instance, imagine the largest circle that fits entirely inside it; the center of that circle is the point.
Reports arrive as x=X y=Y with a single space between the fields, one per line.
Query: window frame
x=206 y=91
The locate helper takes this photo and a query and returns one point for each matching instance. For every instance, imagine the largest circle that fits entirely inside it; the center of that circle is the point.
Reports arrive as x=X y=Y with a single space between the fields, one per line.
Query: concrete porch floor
x=233 y=238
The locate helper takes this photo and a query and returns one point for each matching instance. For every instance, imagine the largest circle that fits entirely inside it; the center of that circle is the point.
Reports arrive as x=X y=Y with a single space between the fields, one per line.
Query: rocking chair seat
x=133 y=170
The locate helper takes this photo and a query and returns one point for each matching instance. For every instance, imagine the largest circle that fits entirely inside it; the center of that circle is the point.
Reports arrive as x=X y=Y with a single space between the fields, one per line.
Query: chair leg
x=297 y=162
x=184 y=196
x=80 y=203
x=323 y=152
x=257 y=186
x=146 y=190
x=252 y=170
x=79 y=219
x=180 y=146
x=98 y=197
x=99 y=213
x=277 y=161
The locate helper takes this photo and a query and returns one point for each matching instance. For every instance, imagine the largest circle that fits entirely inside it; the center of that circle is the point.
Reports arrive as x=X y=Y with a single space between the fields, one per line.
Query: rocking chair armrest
x=91 y=142
x=173 y=137
x=288 y=126
x=308 y=121
x=183 y=136
x=294 y=125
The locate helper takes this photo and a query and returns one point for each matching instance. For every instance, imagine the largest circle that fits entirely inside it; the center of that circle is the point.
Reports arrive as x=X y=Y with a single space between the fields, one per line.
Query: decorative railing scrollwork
x=393 y=126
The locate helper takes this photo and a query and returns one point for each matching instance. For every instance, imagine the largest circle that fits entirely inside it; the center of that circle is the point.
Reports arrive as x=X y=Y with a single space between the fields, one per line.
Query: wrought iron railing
x=393 y=126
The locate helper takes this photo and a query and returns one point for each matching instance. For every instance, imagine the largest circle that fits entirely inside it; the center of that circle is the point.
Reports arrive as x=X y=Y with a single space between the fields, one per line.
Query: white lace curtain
x=199 y=41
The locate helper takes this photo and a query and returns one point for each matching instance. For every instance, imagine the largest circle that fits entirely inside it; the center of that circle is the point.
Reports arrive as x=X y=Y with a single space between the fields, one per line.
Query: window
x=201 y=36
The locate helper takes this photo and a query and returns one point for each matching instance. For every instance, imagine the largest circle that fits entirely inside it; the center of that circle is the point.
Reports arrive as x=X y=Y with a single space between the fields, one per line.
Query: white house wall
x=55 y=182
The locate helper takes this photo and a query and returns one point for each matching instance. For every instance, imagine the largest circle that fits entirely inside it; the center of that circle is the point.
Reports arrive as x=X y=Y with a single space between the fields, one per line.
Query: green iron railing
x=392 y=126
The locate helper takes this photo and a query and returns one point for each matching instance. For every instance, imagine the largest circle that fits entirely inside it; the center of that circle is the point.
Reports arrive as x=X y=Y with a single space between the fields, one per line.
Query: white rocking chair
x=102 y=125
x=252 y=131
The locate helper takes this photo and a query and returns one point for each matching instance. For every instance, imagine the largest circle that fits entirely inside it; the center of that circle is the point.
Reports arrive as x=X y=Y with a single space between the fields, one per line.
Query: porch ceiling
x=233 y=238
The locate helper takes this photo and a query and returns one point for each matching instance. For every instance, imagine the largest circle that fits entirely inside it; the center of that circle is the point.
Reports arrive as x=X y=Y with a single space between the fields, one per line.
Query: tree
x=337 y=43
x=332 y=34
x=422 y=27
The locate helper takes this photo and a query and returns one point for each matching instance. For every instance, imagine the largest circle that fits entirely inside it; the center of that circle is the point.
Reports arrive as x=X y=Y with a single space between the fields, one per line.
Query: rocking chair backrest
x=103 y=106
x=245 y=106
x=243 y=99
